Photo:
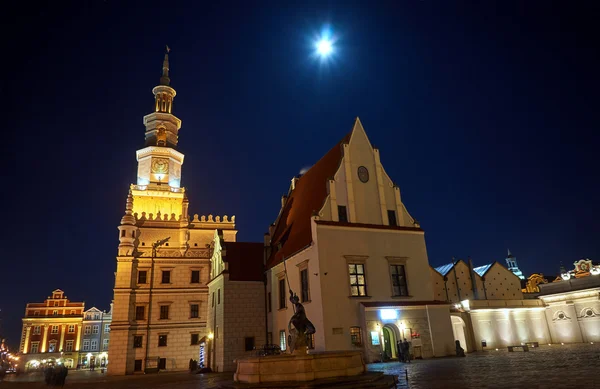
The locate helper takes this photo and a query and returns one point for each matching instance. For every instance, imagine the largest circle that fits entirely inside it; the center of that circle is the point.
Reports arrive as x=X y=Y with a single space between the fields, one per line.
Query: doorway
x=389 y=343
x=458 y=328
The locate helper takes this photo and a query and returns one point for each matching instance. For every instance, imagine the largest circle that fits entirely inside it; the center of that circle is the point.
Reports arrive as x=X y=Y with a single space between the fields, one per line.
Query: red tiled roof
x=293 y=226
x=245 y=261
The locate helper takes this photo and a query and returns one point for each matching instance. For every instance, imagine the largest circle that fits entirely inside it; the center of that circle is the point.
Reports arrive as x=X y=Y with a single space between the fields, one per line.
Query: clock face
x=363 y=174
x=160 y=166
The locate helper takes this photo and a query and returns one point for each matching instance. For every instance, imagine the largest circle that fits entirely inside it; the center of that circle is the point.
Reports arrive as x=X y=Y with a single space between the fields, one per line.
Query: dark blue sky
x=486 y=115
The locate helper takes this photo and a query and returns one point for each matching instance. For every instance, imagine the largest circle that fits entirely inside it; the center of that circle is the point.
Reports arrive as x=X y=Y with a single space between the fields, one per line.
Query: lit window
x=358 y=285
x=282 y=340
x=356 y=336
x=52 y=347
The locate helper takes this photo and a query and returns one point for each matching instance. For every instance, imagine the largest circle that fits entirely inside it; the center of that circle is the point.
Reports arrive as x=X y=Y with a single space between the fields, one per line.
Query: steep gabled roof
x=481 y=270
x=444 y=269
x=293 y=229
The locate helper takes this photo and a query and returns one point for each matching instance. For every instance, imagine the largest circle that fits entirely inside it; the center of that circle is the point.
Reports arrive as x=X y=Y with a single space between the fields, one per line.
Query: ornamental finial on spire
x=165 y=80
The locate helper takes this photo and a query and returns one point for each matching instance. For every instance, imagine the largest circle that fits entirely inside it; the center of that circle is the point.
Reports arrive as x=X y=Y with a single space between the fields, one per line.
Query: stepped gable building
x=52 y=330
x=356 y=258
x=163 y=262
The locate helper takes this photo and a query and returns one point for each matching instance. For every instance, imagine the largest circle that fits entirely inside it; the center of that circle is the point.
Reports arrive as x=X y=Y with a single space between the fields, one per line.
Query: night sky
x=486 y=115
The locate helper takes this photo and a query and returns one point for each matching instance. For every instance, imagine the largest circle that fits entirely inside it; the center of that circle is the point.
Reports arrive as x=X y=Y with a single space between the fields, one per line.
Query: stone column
x=45 y=338
x=63 y=328
x=27 y=334
x=78 y=343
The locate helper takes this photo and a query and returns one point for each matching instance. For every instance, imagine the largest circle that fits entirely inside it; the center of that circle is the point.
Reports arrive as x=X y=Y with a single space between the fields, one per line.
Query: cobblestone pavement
x=556 y=366
x=568 y=366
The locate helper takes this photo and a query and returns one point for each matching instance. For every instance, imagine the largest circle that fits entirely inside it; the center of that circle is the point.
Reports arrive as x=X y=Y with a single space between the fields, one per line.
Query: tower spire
x=165 y=80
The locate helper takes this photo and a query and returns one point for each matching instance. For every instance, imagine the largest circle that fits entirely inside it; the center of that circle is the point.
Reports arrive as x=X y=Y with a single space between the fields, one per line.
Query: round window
x=561 y=315
x=589 y=312
x=363 y=174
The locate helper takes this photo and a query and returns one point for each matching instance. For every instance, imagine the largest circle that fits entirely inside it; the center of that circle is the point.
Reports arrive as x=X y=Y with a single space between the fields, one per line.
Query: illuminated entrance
x=389 y=342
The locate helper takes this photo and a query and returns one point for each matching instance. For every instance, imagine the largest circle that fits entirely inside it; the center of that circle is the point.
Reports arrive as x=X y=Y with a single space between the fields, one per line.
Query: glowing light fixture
x=210 y=336
x=562 y=344
x=388 y=314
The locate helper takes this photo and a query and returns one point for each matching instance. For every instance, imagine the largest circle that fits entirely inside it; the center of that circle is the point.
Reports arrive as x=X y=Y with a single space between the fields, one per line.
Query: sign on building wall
x=375 y=338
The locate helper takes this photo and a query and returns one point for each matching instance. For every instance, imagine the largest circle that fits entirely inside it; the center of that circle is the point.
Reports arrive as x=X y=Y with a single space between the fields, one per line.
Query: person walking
x=406 y=350
x=399 y=351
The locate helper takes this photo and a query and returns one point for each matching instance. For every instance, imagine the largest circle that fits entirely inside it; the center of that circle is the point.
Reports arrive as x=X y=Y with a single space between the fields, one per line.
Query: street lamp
x=155 y=247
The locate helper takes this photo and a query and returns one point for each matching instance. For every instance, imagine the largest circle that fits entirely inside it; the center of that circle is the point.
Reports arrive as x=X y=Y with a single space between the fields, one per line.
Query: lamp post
x=155 y=246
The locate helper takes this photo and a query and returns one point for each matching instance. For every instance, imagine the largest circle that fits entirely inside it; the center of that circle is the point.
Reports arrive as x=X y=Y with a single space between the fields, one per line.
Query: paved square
x=568 y=366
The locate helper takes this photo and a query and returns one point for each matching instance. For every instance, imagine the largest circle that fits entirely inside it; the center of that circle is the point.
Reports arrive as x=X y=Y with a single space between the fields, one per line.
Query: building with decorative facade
x=52 y=331
x=346 y=244
x=163 y=263
x=95 y=338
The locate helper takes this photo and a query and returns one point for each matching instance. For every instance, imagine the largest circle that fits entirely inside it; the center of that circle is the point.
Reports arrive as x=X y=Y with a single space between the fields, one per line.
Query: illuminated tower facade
x=163 y=260
x=511 y=263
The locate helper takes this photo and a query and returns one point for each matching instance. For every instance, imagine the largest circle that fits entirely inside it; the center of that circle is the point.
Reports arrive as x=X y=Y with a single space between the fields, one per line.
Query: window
x=392 y=218
x=358 y=285
x=269 y=301
x=249 y=343
x=87 y=330
x=218 y=296
x=162 y=340
x=86 y=345
x=311 y=341
x=56 y=303
x=123 y=232
x=73 y=312
x=399 y=280
x=213 y=300
x=94 y=345
x=52 y=347
x=54 y=330
x=36 y=313
x=194 y=310
x=304 y=285
x=137 y=365
x=55 y=313
x=105 y=344
x=282 y=340
x=140 y=312
x=162 y=362
x=96 y=329
x=164 y=312
x=36 y=330
x=137 y=341
x=35 y=347
x=195 y=339
x=142 y=276
x=195 y=277
x=356 y=336
x=342 y=214
x=282 y=294
x=69 y=346
x=166 y=277
x=106 y=328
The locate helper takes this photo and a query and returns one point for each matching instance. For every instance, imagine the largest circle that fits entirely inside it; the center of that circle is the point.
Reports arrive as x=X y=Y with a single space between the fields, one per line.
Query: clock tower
x=158 y=189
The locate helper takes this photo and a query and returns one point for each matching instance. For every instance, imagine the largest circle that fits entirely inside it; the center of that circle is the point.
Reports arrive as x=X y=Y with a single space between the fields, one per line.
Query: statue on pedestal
x=299 y=327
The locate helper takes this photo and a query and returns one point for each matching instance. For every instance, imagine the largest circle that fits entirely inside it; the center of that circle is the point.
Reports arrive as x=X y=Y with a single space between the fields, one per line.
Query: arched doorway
x=458 y=328
x=389 y=342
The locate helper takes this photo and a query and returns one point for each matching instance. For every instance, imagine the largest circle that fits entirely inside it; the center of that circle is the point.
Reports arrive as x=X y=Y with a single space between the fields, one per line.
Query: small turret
x=511 y=263
x=127 y=229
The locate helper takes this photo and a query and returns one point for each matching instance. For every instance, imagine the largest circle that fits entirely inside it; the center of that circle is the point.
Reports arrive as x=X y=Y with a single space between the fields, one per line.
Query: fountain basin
x=299 y=368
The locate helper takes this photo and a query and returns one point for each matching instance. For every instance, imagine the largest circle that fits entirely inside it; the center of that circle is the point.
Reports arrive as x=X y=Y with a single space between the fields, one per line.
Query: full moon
x=324 y=47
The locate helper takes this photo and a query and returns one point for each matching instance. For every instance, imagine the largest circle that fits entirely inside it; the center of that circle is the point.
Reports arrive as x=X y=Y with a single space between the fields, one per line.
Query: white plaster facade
x=360 y=221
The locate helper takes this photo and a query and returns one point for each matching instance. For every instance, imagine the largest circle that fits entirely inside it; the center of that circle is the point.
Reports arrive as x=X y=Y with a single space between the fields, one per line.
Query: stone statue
x=299 y=327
